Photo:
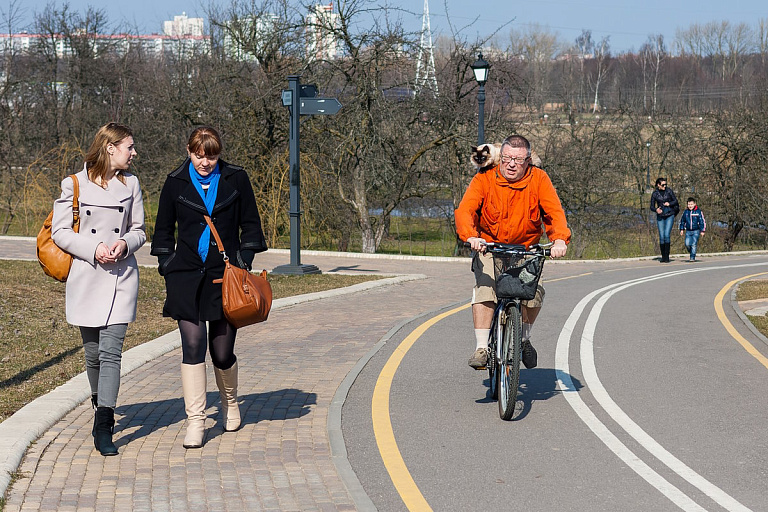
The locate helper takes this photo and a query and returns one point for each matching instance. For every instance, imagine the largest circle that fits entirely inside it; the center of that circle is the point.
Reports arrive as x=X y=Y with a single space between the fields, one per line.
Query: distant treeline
x=590 y=116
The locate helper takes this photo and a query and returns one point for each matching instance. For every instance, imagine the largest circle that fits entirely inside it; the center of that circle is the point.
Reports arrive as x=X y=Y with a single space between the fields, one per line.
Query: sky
x=628 y=23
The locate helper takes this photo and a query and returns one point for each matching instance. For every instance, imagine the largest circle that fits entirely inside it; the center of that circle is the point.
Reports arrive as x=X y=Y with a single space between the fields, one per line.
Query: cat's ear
x=474 y=148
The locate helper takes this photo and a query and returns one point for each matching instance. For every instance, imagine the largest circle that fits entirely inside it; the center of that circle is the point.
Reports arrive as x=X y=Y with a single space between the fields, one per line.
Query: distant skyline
x=627 y=23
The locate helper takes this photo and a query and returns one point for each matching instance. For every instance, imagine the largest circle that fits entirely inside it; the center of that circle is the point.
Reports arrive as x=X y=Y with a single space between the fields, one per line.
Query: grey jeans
x=103 y=352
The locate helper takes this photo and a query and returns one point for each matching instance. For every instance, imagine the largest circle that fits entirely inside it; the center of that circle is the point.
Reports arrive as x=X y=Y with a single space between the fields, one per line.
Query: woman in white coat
x=103 y=283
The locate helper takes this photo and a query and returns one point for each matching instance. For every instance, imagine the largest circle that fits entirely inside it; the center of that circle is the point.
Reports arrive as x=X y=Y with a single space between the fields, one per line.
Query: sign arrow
x=322 y=106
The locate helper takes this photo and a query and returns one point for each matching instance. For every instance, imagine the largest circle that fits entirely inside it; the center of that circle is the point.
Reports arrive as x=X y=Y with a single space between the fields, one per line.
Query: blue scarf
x=209 y=199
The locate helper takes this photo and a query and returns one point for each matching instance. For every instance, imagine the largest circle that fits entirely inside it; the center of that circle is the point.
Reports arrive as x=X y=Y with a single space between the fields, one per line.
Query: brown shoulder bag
x=55 y=261
x=245 y=297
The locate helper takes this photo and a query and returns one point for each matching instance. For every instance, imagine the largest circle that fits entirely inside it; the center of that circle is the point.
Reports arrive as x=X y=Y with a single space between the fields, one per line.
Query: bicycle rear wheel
x=508 y=371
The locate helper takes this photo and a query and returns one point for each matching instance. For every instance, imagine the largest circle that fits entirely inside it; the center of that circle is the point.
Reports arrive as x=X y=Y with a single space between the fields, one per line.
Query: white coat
x=99 y=295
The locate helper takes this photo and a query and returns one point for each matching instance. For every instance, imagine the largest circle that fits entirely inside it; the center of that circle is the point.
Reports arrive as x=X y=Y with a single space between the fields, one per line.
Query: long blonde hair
x=97 y=158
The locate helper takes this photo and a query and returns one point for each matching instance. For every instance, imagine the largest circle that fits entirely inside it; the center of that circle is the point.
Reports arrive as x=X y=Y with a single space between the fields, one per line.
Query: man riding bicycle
x=508 y=204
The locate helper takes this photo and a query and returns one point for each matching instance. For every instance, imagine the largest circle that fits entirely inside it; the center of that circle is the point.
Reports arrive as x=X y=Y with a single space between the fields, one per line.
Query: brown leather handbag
x=55 y=261
x=245 y=297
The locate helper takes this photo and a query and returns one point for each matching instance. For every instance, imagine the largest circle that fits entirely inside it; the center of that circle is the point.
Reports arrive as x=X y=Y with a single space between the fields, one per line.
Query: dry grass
x=39 y=350
x=751 y=290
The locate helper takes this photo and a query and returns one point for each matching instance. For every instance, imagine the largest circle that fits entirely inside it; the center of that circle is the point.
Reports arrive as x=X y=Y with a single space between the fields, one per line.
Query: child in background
x=692 y=226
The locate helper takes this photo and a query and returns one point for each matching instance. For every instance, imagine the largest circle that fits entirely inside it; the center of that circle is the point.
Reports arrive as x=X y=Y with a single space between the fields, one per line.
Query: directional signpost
x=327 y=106
x=305 y=98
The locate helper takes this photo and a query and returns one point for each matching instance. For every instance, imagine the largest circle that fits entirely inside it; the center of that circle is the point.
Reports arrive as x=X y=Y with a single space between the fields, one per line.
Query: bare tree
x=602 y=62
x=761 y=36
x=735 y=179
x=537 y=48
x=652 y=54
x=584 y=46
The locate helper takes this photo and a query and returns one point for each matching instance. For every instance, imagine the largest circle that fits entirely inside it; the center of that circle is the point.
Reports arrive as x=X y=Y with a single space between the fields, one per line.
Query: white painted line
x=570 y=392
x=633 y=429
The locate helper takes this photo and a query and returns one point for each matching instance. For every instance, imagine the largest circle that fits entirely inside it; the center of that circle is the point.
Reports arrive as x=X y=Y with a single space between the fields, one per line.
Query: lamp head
x=480 y=68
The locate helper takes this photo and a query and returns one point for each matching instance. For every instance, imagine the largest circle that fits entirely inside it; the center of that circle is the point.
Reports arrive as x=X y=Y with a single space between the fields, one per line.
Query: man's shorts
x=485 y=282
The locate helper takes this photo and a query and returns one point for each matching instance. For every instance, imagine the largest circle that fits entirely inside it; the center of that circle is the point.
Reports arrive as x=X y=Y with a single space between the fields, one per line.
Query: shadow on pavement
x=356 y=268
x=141 y=419
x=536 y=384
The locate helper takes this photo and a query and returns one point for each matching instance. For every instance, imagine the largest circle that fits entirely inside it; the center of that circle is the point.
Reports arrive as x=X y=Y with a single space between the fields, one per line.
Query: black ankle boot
x=105 y=423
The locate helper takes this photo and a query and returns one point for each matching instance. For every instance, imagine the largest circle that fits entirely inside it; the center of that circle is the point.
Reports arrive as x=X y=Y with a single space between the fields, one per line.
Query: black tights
x=221 y=342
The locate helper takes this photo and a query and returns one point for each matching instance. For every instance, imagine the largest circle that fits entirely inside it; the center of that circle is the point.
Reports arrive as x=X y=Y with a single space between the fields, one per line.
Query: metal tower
x=425 y=67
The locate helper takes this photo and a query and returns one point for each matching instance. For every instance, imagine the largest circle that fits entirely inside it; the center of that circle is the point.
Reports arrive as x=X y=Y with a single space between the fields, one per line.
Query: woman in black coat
x=664 y=203
x=205 y=184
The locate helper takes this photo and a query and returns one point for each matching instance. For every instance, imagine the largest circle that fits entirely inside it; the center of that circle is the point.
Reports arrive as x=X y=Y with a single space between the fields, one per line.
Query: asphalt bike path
x=643 y=400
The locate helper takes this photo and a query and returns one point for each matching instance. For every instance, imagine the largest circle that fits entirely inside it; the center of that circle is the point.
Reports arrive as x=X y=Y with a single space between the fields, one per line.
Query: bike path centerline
x=382 y=425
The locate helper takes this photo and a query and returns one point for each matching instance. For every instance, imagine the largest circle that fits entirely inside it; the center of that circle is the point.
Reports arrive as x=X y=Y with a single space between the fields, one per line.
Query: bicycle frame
x=505 y=339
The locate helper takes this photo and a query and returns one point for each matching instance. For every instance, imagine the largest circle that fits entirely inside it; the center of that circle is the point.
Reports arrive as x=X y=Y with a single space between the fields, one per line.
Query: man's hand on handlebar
x=476 y=243
x=558 y=250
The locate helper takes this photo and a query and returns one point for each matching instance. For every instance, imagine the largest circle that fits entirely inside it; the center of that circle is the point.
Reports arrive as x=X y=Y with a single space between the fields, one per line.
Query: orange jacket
x=499 y=211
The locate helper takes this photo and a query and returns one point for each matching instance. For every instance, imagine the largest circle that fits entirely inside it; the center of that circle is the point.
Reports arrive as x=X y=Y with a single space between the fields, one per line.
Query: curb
x=742 y=316
x=338 y=448
x=30 y=422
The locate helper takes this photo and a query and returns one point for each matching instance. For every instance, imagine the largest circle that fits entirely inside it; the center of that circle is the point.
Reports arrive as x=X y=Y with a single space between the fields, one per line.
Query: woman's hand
x=119 y=249
x=105 y=254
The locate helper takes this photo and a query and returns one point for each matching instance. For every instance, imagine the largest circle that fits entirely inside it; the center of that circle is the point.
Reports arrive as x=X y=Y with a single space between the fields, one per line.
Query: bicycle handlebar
x=517 y=249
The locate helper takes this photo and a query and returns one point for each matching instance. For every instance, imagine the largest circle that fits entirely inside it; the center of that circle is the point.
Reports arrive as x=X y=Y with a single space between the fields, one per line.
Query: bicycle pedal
x=481 y=368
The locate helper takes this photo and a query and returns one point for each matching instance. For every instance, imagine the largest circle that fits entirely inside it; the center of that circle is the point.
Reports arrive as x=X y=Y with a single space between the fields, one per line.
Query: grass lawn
x=751 y=290
x=40 y=351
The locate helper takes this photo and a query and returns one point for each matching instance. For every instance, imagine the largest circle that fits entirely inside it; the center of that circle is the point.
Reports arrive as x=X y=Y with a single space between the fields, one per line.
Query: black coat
x=659 y=197
x=191 y=293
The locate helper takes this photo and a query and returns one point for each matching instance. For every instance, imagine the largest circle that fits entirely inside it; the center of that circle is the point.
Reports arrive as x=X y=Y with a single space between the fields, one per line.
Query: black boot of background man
x=105 y=423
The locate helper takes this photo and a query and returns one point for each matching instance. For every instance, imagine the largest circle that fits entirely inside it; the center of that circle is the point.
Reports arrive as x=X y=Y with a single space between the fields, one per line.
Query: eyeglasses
x=507 y=159
x=662 y=184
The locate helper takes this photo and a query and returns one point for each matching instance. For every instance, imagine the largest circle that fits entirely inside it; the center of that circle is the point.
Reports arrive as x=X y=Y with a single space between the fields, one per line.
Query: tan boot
x=227 y=382
x=193 y=383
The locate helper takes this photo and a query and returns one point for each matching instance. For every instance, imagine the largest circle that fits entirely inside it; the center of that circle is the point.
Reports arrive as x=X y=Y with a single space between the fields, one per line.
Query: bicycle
x=517 y=271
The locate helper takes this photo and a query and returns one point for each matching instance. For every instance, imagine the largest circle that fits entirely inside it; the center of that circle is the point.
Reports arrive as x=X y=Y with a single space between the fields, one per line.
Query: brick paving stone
x=280 y=459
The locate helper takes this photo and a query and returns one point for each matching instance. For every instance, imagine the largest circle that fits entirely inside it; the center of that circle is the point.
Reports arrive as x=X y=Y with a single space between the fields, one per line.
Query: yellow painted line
x=729 y=327
x=382 y=425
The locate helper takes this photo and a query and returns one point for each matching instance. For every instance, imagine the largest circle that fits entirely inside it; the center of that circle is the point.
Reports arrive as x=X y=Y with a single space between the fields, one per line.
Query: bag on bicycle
x=519 y=281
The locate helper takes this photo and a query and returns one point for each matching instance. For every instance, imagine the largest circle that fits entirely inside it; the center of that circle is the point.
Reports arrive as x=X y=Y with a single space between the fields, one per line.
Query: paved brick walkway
x=290 y=369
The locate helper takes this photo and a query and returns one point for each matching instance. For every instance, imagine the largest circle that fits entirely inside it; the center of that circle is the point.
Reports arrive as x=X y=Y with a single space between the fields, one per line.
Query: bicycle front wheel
x=493 y=367
x=508 y=371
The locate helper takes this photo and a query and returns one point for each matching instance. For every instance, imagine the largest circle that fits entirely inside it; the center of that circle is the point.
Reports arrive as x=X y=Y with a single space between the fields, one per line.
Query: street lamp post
x=480 y=68
x=648 y=165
